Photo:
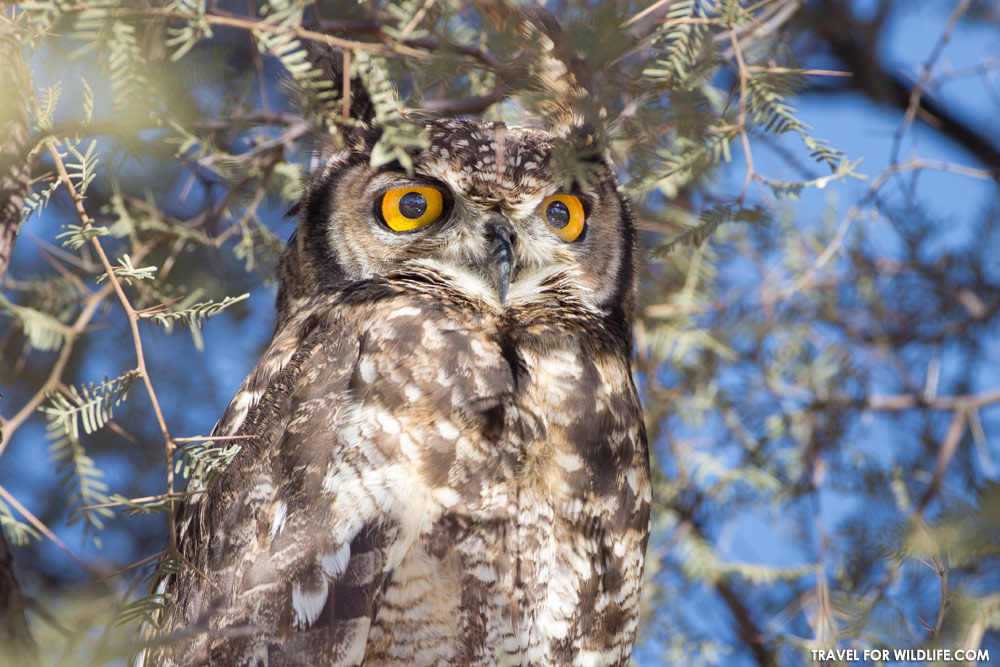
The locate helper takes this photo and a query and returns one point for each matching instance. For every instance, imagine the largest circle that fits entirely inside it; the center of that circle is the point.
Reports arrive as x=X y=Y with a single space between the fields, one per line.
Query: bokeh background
x=817 y=344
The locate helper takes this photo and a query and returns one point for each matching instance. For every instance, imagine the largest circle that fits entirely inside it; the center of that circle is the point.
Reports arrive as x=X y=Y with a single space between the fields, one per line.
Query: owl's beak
x=501 y=238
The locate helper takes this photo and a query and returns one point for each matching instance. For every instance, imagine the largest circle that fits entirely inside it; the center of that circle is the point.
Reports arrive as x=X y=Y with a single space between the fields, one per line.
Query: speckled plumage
x=435 y=476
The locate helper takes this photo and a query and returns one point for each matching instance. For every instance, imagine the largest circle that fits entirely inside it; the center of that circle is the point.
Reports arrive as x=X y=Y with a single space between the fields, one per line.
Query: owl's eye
x=409 y=208
x=564 y=213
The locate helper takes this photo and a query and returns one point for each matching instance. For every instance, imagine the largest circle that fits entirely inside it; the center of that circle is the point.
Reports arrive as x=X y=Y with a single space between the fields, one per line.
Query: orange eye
x=409 y=208
x=564 y=213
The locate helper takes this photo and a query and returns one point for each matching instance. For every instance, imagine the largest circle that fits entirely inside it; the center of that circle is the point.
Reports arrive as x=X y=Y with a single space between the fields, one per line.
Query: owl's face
x=481 y=209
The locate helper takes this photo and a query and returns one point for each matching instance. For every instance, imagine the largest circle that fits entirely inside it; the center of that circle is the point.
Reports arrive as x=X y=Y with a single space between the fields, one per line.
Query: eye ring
x=565 y=215
x=409 y=208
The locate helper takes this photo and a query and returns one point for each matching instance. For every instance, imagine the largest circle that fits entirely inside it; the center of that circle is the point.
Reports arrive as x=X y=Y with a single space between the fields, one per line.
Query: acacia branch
x=465 y=105
x=964 y=407
x=917 y=93
x=246 y=23
x=854 y=43
x=133 y=317
x=178 y=495
x=892 y=402
x=54 y=378
x=945 y=454
x=40 y=526
x=942 y=573
x=743 y=75
x=746 y=625
x=807 y=278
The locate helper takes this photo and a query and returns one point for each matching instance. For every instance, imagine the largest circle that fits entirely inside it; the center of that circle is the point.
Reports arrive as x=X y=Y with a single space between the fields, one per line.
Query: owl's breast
x=435 y=386
x=470 y=404
x=521 y=451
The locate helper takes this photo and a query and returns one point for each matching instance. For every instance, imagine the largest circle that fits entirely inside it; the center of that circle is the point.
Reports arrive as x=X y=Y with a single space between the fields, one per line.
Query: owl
x=443 y=458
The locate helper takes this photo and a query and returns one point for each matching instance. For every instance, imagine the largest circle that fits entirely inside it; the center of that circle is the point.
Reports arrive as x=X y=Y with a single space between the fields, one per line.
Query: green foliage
x=18 y=533
x=156 y=505
x=766 y=99
x=78 y=235
x=320 y=94
x=38 y=200
x=400 y=136
x=202 y=462
x=689 y=159
x=43 y=330
x=48 y=100
x=710 y=221
x=128 y=273
x=81 y=167
x=146 y=610
x=82 y=478
x=682 y=46
x=185 y=36
x=92 y=405
x=195 y=315
x=962 y=535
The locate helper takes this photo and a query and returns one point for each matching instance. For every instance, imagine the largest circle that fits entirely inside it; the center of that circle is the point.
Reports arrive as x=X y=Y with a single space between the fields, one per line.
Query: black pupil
x=557 y=214
x=412 y=205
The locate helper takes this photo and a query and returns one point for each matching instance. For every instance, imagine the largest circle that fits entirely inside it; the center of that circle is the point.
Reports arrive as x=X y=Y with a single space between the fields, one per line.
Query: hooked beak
x=501 y=238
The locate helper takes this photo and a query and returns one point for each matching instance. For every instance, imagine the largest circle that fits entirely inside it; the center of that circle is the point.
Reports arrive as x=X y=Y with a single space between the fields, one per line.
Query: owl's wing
x=297 y=538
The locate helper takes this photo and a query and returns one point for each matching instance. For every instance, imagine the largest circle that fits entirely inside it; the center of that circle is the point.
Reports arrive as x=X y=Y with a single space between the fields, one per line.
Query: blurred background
x=817 y=341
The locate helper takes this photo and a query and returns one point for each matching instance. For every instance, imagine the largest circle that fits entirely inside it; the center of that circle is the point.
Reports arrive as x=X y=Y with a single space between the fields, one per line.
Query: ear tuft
x=330 y=61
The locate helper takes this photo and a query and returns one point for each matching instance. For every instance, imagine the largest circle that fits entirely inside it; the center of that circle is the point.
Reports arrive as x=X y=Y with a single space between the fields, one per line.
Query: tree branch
x=133 y=320
x=854 y=42
x=746 y=627
x=907 y=401
x=55 y=375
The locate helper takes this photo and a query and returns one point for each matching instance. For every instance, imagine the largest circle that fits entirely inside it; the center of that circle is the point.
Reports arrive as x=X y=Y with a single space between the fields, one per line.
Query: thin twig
x=133 y=320
x=741 y=66
x=262 y=25
x=55 y=374
x=197 y=570
x=41 y=527
x=415 y=21
x=794 y=70
x=123 y=570
x=213 y=437
x=891 y=402
x=146 y=499
x=942 y=573
x=832 y=248
x=945 y=454
x=641 y=15
x=918 y=89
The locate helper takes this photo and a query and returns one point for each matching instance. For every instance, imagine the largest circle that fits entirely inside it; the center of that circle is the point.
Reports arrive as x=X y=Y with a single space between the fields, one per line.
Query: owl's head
x=483 y=210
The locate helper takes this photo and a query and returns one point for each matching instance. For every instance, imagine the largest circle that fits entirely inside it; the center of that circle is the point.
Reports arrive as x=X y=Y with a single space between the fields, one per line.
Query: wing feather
x=293 y=544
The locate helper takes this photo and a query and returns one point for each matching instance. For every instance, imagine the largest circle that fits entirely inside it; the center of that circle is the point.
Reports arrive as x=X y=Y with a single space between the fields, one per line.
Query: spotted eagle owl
x=443 y=457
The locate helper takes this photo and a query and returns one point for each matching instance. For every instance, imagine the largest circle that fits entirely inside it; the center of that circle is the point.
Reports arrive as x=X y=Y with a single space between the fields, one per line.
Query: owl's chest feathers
x=497 y=396
x=494 y=410
x=519 y=434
